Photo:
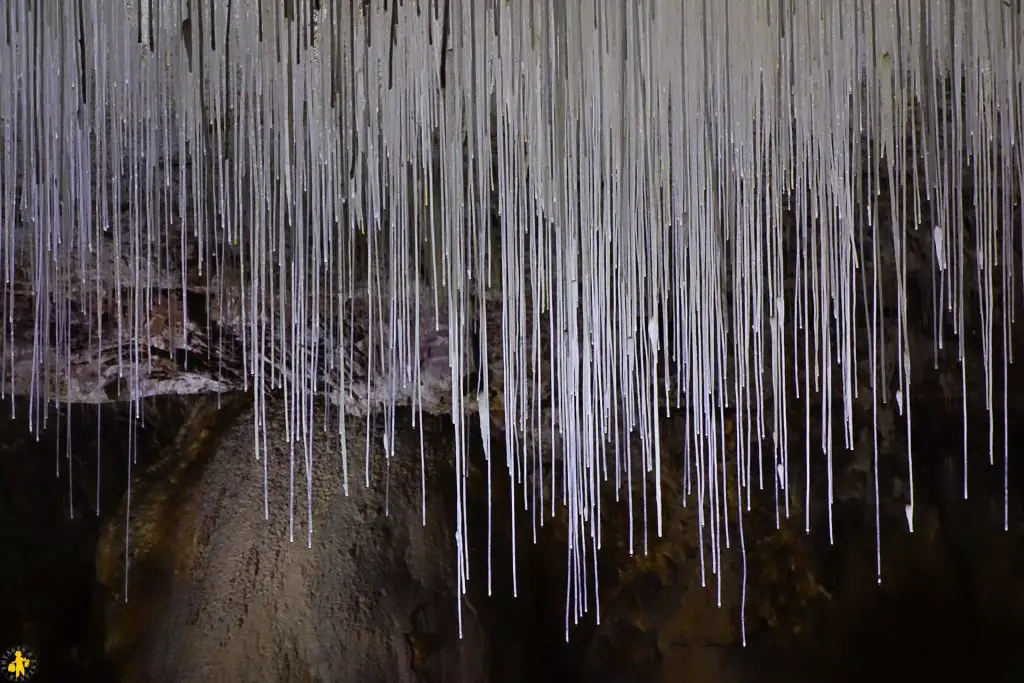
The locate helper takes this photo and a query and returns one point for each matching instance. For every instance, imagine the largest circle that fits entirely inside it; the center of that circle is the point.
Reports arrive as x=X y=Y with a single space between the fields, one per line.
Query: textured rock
x=950 y=602
x=217 y=591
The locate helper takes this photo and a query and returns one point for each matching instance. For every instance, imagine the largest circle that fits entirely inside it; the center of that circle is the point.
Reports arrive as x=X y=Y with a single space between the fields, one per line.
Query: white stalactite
x=610 y=181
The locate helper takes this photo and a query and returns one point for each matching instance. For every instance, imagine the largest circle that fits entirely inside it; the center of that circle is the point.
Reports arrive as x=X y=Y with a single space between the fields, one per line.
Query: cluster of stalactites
x=645 y=206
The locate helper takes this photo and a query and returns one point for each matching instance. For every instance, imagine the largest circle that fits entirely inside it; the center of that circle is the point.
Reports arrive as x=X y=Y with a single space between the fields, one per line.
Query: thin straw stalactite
x=600 y=213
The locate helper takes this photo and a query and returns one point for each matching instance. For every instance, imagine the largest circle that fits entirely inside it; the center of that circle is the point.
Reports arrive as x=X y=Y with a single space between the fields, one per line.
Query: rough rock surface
x=214 y=587
x=219 y=592
x=947 y=605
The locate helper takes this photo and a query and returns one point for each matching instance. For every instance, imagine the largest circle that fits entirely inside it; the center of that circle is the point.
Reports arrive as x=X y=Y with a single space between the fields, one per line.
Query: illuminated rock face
x=210 y=576
x=217 y=589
